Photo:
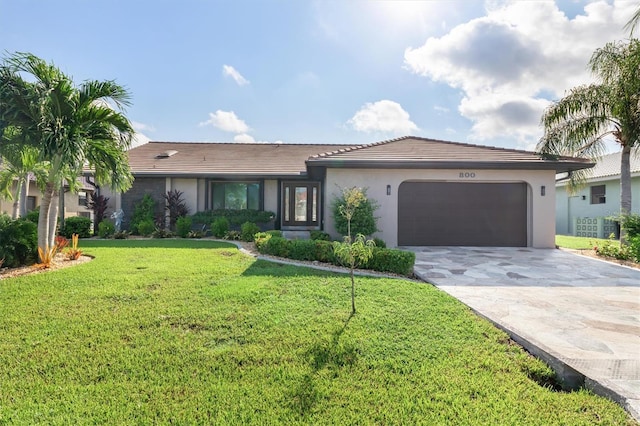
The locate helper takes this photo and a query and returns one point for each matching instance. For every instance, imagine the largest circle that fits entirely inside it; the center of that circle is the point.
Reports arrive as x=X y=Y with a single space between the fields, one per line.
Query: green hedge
x=76 y=225
x=19 y=241
x=383 y=260
x=235 y=217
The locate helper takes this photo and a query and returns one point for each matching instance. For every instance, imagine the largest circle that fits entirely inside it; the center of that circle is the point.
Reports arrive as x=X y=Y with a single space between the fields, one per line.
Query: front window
x=82 y=198
x=598 y=194
x=235 y=195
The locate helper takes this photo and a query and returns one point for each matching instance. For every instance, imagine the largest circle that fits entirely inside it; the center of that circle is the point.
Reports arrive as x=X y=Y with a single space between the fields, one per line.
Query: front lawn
x=582 y=243
x=195 y=332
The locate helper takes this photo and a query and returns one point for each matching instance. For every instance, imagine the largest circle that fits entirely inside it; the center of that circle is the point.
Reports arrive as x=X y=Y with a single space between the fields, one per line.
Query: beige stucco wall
x=189 y=188
x=541 y=209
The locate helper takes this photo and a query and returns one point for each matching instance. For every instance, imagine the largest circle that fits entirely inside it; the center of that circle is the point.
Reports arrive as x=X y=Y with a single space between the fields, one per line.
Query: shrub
x=324 y=252
x=392 y=260
x=277 y=246
x=320 y=235
x=121 y=235
x=176 y=206
x=33 y=216
x=98 y=204
x=106 y=229
x=634 y=248
x=183 y=226
x=380 y=243
x=631 y=224
x=248 y=230
x=232 y=235
x=302 y=250
x=261 y=239
x=362 y=221
x=146 y=227
x=161 y=233
x=143 y=211
x=609 y=250
x=220 y=227
x=77 y=225
x=19 y=241
x=275 y=233
x=235 y=217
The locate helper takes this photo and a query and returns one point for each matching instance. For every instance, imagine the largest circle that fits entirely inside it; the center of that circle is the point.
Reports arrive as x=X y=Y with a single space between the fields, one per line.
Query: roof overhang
x=557 y=166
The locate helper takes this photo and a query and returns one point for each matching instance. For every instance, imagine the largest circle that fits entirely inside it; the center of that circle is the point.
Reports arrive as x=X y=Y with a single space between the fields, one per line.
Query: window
x=31 y=203
x=82 y=198
x=235 y=195
x=598 y=194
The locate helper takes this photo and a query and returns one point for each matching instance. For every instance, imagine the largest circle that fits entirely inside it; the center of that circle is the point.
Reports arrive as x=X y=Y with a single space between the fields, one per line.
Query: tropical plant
x=20 y=162
x=353 y=212
x=73 y=253
x=580 y=123
x=176 y=206
x=46 y=256
x=72 y=126
x=183 y=226
x=98 y=204
x=143 y=211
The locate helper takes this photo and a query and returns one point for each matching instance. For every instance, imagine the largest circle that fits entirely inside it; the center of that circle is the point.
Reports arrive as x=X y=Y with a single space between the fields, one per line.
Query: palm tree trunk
x=625 y=186
x=24 y=195
x=16 y=200
x=43 y=219
x=53 y=220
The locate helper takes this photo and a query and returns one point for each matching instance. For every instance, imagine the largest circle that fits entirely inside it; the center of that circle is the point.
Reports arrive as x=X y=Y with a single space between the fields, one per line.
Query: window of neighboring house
x=85 y=214
x=598 y=194
x=82 y=198
x=235 y=195
x=31 y=203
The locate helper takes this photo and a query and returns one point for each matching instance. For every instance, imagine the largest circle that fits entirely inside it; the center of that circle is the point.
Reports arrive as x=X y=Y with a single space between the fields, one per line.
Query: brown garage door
x=462 y=214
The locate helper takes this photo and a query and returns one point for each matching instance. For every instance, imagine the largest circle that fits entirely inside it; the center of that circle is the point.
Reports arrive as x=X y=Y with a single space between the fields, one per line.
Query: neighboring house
x=585 y=213
x=429 y=192
x=74 y=204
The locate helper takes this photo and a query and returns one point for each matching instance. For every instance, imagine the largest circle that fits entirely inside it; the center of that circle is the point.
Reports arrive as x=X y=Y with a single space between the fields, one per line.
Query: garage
x=462 y=214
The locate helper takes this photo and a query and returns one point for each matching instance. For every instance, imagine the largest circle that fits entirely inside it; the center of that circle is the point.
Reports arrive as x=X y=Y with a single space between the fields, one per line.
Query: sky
x=334 y=71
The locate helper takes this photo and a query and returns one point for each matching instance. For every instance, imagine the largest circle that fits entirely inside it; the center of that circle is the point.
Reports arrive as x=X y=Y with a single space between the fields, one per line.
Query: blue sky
x=324 y=71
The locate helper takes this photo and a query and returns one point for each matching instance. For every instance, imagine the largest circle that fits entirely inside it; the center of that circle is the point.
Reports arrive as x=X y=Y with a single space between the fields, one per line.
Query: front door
x=300 y=203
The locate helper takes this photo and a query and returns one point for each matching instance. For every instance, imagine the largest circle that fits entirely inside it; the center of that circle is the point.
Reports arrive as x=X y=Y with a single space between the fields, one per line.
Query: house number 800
x=467 y=175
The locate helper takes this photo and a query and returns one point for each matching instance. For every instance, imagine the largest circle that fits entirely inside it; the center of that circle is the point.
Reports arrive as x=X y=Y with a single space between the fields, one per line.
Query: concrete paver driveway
x=579 y=314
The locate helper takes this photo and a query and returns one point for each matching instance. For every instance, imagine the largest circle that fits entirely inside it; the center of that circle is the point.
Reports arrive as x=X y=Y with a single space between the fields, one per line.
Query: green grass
x=581 y=243
x=195 y=332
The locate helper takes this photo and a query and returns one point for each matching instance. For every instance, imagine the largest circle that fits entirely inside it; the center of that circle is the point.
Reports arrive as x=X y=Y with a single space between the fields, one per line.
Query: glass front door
x=300 y=203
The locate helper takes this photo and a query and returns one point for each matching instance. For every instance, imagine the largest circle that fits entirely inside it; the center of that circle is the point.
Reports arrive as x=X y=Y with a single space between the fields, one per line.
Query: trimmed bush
x=383 y=260
x=248 y=230
x=363 y=221
x=319 y=235
x=631 y=224
x=392 y=260
x=19 y=241
x=106 y=229
x=235 y=217
x=146 y=227
x=380 y=243
x=143 y=212
x=76 y=225
x=33 y=216
x=274 y=233
x=634 y=248
x=220 y=227
x=183 y=226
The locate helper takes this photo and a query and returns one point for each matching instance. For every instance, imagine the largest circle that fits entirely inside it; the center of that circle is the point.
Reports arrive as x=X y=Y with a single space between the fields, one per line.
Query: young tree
x=579 y=123
x=352 y=252
x=72 y=126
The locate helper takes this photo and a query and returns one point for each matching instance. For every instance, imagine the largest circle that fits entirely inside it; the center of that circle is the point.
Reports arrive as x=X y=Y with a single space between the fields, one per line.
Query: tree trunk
x=24 y=195
x=15 y=213
x=625 y=187
x=53 y=219
x=353 y=293
x=43 y=219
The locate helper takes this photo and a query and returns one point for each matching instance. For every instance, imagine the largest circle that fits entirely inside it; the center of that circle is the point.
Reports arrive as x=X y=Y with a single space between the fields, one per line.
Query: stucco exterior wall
x=571 y=206
x=541 y=209
x=189 y=188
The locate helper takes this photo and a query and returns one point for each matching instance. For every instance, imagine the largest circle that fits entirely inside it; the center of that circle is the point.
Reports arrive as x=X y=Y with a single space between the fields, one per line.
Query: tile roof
x=609 y=166
x=282 y=160
x=236 y=159
x=421 y=152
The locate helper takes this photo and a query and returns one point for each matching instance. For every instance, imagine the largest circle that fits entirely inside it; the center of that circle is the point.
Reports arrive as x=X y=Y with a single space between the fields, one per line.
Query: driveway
x=579 y=314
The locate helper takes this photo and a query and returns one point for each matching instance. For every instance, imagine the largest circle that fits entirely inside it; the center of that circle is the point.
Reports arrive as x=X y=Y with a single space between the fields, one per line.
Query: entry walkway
x=579 y=314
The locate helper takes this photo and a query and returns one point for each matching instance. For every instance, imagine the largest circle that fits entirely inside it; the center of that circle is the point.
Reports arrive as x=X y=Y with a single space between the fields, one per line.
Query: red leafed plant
x=61 y=242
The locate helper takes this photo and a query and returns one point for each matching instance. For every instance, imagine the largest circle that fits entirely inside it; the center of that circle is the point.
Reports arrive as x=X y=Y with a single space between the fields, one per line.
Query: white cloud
x=384 y=116
x=244 y=138
x=141 y=127
x=227 y=121
x=512 y=62
x=230 y=71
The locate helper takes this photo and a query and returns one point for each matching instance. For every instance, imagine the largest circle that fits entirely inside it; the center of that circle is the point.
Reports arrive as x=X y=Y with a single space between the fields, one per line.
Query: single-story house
x=429 y=192
x=587 y=212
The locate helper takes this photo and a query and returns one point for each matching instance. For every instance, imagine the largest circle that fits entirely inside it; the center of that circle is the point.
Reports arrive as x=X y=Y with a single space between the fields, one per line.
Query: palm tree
x=580 y=123
x=72 y=127
x=20 y=162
